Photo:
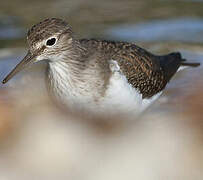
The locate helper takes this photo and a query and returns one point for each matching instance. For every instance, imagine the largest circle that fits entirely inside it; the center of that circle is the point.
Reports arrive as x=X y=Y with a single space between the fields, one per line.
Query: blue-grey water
x=180 y=30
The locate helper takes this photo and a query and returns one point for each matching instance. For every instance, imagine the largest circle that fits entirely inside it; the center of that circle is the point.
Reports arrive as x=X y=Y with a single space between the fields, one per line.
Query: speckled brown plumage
x=46 y=28
x=85 y=63
x=144 y=71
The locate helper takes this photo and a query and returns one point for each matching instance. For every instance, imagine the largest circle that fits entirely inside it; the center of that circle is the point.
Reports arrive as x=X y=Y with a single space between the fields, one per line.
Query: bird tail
x=176 y=56
x=171 y=63
x=189 y=64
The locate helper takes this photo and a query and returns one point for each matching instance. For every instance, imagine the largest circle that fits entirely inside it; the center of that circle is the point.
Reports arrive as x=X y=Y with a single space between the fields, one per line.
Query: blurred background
x=39 y=141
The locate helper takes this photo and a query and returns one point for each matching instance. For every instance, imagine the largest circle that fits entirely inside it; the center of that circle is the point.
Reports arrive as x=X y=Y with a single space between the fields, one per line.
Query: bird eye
x=51 y=42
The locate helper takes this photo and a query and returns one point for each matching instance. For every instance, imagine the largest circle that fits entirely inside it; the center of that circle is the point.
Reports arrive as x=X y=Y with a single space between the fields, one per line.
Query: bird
x=97 y=75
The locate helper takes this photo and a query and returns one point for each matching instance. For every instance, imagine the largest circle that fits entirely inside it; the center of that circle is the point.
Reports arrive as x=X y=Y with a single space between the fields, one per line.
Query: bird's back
x=146 y=72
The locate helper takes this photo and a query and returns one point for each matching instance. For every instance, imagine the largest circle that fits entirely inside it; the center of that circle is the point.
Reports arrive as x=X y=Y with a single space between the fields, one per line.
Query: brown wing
x=146 y=72
x=142 y=70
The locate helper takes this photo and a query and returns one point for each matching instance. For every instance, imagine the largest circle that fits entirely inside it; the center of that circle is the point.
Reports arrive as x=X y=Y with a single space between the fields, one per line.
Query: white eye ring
x=51 y=41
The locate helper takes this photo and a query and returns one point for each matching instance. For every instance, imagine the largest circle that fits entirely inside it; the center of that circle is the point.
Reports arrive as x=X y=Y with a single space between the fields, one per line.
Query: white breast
x=64 y=89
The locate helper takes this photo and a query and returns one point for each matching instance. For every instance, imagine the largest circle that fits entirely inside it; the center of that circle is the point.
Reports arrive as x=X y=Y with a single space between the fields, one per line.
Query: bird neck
x=70 y=61
x=66 y=71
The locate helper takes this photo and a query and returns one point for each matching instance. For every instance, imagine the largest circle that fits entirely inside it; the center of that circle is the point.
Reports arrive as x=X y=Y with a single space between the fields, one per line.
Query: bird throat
x=64 y=80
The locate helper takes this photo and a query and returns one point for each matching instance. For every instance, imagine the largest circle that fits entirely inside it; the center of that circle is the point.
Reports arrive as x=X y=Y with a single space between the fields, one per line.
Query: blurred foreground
x=39 y=141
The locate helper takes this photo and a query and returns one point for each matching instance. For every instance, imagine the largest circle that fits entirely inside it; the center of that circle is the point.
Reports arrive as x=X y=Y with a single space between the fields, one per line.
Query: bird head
x=46 y=40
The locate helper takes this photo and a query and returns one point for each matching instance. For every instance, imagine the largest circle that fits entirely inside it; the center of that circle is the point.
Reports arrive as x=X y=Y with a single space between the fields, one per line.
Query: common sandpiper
x=95 y=74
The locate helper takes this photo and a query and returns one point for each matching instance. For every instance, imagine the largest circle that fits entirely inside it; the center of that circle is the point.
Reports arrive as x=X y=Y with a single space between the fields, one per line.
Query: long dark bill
x=27 y=60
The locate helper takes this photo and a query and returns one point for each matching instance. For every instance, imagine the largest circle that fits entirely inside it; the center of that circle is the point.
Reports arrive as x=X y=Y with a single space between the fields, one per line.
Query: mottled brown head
x=40 y=34
x=46 y=41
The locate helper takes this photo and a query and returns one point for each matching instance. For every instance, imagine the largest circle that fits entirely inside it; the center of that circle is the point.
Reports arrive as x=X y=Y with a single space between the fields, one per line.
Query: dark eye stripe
x=51 y=42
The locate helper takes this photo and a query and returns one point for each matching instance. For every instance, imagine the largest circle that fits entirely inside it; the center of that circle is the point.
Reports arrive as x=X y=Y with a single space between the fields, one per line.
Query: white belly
x=122 y=97
x=119 y=96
